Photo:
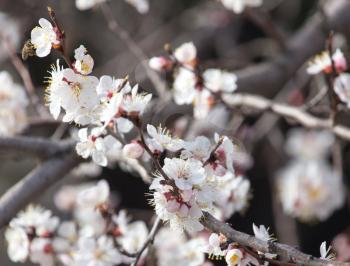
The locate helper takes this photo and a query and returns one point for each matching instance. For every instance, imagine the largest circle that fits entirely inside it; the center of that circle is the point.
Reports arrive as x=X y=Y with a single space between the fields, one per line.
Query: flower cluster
x=195 y=176
x=13 y=103
x=190 y=85
x=94 y=237
x=238 y=6
x=308 y=187
x=201 y=179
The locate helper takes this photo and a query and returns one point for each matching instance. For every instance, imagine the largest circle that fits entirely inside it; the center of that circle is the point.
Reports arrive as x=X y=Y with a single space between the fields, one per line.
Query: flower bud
x=133 y=150
x=159 y=63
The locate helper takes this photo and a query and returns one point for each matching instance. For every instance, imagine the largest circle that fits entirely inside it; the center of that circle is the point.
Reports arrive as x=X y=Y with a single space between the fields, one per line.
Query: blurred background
x=224 y=40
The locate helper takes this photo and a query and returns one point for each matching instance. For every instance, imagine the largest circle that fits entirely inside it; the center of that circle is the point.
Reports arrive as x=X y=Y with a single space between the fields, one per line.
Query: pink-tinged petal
x=45 y=24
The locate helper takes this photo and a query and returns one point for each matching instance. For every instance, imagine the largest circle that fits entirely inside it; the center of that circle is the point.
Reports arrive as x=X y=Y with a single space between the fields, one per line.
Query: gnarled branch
x=37 y=181
x=38 y=147
x=285 y=253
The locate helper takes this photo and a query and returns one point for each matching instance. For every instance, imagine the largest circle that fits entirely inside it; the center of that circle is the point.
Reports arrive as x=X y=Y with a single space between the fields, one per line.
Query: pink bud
x=133 y=150
x=159 y=63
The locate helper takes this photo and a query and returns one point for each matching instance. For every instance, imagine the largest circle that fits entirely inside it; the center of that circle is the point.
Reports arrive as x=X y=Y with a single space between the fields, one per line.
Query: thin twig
x=212 y=153
x=156 y=226
x=264 y=21
x=134 y=48
x=25 y=76
x=286 y=111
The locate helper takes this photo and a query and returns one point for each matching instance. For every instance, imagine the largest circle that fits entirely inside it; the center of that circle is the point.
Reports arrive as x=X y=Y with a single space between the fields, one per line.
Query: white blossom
x=74 y=93
x=310 y=190
x=159 y=63
x=133 y=150
x=185 y=173
x=198 y=149
x=186 y=53
x=13 y=103
x=37 y=218
x=182 y=214
x=218 y=80
x=43 y=38
x=202 y=103
x=95 y=146
x=213 y=246
x=67 y=236
x=84 y=62
x=87 y=4
x=94 y=196
x=136 y=103
x=112 y=114
x=234 y=194
x=142 y=6
x=233 y=257
x=184 y=87
x=342 y=88
x=41 y=252
x=109 y=86
x=101 y=252
x=323 y=63
x=135 y=236
x=161 y=139
x=18 y=244
x=238 y=6
x=173 y=249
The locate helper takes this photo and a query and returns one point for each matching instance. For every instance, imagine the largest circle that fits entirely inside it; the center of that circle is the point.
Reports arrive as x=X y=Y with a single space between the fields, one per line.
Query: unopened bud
x=133 y=150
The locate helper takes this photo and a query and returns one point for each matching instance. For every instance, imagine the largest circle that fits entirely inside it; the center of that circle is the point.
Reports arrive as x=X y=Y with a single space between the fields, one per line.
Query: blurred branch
x=285 y=253
x=264 y=21
x=39 y=147
x=32 y=185
x=134 y=48
x=286 y=111
x=25 y=76
x=155 y=228
x=268 y=78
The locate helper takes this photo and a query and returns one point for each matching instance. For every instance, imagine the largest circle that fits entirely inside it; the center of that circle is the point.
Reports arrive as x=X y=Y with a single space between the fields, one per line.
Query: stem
x=264 y=21
x=155 y=228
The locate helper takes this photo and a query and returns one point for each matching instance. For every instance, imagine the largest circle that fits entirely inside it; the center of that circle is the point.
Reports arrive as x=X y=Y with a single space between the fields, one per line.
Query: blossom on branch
x=45 y=37
x=238 y=6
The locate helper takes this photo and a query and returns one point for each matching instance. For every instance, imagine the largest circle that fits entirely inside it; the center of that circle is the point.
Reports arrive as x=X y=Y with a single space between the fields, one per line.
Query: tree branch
x=39 y=147
x=32 y=185
x=286 y=111
x=285 y=253
x=268 y=78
